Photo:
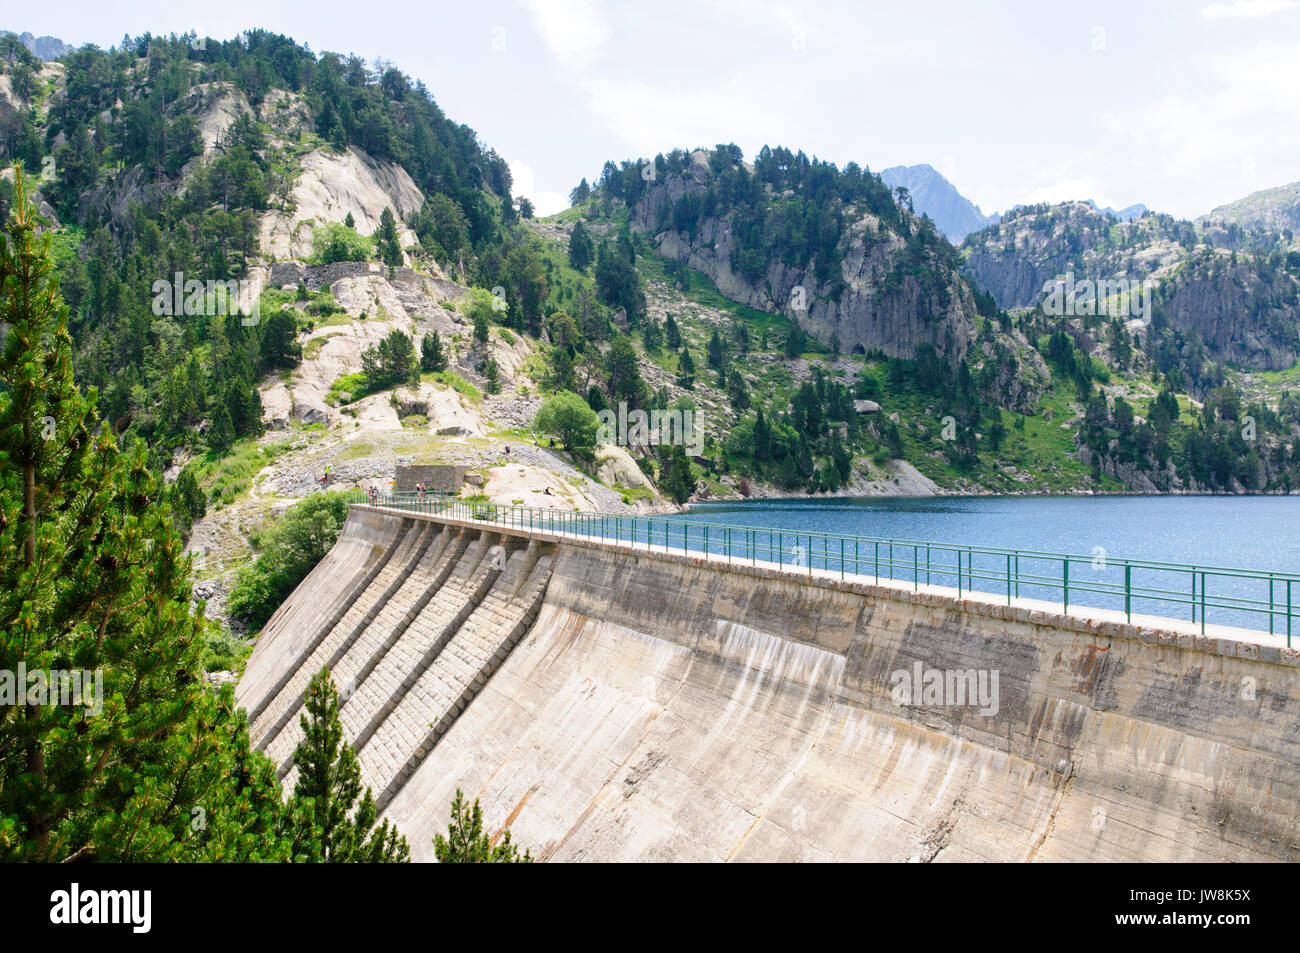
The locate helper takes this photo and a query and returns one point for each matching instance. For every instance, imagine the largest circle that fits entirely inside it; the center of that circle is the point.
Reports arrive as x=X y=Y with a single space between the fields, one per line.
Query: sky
x=1182 y=106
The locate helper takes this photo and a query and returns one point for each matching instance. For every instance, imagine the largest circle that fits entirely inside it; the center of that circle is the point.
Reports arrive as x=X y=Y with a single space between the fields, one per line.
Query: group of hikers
x=372 y=493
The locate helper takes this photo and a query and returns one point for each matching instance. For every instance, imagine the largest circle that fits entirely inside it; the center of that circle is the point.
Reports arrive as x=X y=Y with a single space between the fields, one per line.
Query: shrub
x=290 y=550
x=334 y=242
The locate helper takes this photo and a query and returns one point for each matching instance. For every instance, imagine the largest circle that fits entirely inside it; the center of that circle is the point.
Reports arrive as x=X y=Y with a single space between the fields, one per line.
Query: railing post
x=1065 y=585
x=1128 y=592
x=1202 y=602
x=1008 y=579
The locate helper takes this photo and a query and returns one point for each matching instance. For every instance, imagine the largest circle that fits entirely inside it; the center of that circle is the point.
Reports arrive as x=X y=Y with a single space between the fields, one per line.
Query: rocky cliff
x=1244 y=306
x=894 y=294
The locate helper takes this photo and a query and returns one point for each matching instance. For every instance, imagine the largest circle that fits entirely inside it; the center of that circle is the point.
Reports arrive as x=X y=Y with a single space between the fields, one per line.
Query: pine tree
x=581 y=249
x=672 y=334
x=492 y=375
x=386 y=240
x=717 y=352
x=432 y=356
x=762 y=437
x=738 y=390
x=187 y=500
x=222 y=432
x=794 y=342
x=93 y=580
x=325 y=820
x=466 y=843
x=675 y=477
x=686 y=369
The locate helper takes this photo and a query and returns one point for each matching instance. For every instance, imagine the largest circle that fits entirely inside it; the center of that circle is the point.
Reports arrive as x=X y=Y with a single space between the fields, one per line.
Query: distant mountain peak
x=1268 y=209
x=46 y=47
x=933 y=195
x=1123 y=214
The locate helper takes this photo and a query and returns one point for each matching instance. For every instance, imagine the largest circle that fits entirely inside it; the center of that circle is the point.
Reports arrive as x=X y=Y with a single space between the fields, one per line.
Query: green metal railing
x=1236 y=597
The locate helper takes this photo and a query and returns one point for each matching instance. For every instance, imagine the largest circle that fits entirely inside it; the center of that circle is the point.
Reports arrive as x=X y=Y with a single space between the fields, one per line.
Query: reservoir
x=1258 y=533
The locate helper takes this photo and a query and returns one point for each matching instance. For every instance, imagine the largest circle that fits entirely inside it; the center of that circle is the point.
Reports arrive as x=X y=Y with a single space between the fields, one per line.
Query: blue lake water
x=1259 y=533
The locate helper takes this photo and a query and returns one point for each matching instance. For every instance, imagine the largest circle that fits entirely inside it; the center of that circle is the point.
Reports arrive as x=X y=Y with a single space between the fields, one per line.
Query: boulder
x=615 y=467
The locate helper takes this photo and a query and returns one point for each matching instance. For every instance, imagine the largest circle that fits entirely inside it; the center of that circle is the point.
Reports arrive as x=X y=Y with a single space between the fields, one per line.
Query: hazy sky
x=1180 y=105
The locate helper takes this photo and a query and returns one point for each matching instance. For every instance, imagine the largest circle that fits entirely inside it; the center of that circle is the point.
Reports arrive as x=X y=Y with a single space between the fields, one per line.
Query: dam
x=615 y=695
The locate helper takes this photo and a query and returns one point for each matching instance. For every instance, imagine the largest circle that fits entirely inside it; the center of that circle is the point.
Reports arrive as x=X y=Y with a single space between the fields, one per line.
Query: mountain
x=830 y=339
x=1123 y=214
x=1032 y=244
x=1264 y=218
x=829 y=249
x=46 y=47
x=933 y=195
x=1241 y=307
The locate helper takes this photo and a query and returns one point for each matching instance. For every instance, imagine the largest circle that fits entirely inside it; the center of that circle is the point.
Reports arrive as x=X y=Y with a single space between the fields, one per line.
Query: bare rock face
x=1243 y=316
x=10 y=104
x=329 y=188
x=1244 y=307
x=886 y=304
x=1014 y=259
x=215 y=106
x=616 y=467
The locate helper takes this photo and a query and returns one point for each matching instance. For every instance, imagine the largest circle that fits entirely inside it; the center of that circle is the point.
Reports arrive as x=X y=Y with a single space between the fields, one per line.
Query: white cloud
x=1246 y=9
x=573 y=30
x=1232 y=135
x=649 y=117
x=525 y=183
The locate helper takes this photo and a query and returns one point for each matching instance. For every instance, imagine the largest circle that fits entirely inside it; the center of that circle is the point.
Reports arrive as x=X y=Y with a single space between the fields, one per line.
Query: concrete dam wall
x=607 y=704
